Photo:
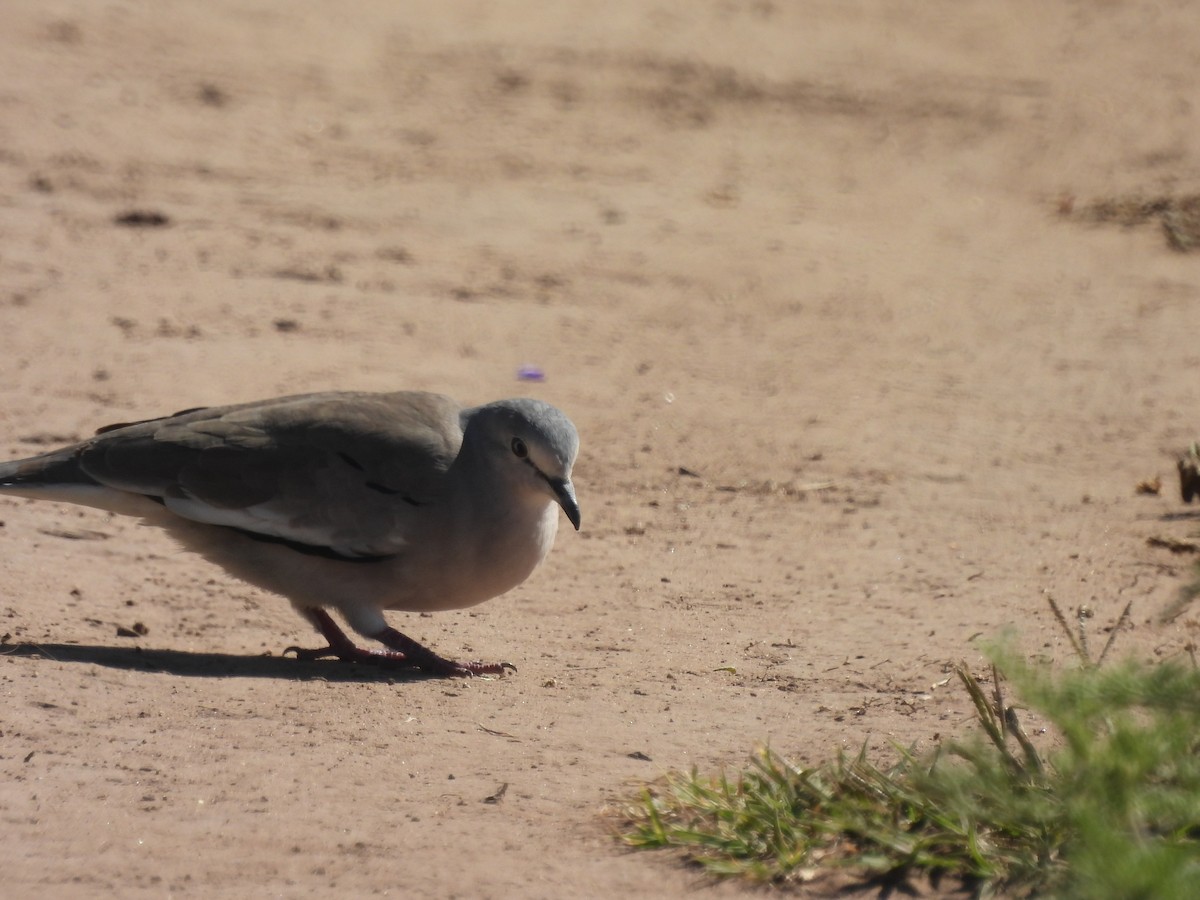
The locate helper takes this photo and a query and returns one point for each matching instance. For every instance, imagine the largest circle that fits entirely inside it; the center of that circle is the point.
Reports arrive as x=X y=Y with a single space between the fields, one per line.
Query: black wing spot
x=391 y=492
x=309 y=549
x=375 y=485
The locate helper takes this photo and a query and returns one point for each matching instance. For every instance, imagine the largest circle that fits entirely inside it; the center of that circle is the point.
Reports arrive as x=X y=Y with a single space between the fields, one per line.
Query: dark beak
x=565 y=492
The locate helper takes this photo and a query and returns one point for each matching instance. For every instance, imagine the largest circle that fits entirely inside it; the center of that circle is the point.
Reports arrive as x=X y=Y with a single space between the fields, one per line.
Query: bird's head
x=530 y=442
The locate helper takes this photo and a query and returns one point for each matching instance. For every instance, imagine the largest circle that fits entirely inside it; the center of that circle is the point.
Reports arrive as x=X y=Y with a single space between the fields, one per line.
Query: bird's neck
x=509 y=530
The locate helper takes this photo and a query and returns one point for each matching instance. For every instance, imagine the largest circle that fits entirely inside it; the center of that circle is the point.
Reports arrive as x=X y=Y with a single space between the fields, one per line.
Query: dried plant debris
x=498 y=795
x=1189 y=473
x=1181 y=224
x=1151 y=486
x=1178 y=215
x=1173 y=544
x=142 y=218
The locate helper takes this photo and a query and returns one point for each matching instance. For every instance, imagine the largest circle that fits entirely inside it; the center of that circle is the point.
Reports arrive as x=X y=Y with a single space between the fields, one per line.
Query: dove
x=353 y=502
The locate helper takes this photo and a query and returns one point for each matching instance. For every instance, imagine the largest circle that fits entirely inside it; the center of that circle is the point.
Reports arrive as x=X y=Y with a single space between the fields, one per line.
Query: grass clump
x=1112 y=811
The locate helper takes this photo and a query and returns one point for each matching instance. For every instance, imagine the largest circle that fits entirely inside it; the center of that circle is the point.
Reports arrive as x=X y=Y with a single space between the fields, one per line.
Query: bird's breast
x=489 y=559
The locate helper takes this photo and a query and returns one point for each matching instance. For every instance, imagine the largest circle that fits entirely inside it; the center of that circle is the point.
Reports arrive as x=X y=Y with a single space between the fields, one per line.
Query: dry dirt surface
x=856 y=390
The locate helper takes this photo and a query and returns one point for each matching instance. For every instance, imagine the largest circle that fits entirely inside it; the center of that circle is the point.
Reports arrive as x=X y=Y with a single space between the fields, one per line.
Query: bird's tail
x=60 y=476
x=32 y=476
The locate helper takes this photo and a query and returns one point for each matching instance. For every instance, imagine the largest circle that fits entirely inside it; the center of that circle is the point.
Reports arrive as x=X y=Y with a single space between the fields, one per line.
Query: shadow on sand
x=210 y=665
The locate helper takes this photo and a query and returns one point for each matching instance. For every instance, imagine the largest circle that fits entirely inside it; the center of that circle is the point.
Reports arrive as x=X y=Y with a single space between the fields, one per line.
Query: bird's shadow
x=211 y=665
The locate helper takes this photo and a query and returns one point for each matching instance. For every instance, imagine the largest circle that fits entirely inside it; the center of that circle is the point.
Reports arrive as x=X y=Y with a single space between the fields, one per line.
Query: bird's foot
x=465 y=670
x=428 y=661
x=351 y=654
x=403 y=653
x=431 y=664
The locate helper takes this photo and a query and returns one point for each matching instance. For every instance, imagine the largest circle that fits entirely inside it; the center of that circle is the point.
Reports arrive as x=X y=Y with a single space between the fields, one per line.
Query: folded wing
x=345 y=473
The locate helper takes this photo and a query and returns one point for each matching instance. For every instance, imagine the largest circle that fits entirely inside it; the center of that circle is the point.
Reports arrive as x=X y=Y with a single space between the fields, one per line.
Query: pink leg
x=403 y=652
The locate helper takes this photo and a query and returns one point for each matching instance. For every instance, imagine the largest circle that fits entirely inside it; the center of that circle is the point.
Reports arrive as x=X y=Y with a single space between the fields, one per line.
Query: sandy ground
x=853 y=391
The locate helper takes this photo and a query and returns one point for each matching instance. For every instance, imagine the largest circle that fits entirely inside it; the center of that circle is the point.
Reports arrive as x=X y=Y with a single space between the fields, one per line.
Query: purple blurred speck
x=530 y=373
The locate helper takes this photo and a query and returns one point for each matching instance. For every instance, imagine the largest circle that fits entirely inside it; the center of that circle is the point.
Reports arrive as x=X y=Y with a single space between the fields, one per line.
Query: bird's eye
x=519 y=448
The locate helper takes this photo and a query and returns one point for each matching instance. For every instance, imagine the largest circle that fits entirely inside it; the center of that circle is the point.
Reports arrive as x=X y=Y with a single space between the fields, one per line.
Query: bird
x=350 y=501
